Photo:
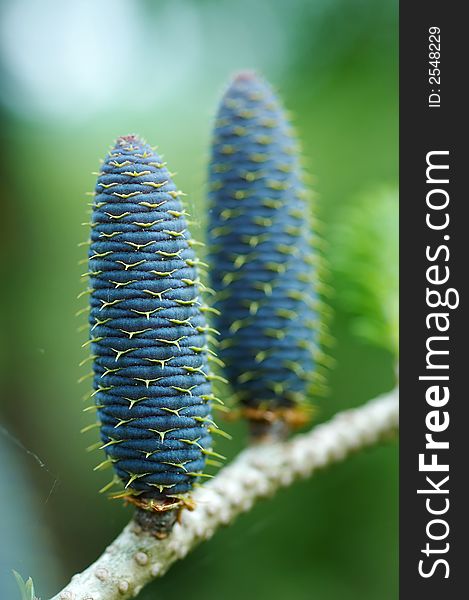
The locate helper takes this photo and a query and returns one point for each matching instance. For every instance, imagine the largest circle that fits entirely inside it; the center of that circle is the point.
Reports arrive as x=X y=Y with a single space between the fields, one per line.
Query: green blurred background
x=74 y=75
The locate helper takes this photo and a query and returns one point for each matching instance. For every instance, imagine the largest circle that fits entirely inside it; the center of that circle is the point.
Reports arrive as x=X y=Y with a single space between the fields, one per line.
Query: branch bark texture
x=134 y=558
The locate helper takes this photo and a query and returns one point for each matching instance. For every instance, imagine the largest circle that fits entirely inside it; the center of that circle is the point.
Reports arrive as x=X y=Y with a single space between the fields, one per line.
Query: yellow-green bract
x=263 y=262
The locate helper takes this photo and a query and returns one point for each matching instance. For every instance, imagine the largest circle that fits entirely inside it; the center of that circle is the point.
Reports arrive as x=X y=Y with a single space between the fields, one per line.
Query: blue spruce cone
x=264 y=266
x=148 y=331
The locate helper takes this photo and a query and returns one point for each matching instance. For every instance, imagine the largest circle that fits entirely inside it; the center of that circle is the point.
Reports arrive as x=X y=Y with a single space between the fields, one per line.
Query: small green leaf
x=26 y=587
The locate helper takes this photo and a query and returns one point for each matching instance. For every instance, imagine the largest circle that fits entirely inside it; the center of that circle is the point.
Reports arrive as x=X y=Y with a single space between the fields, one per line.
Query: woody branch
x=135 y=557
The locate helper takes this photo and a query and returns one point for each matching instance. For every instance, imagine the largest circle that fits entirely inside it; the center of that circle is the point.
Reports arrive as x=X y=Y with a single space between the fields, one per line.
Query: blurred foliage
x=365 y=258
x=26 y=543
x=74 y=77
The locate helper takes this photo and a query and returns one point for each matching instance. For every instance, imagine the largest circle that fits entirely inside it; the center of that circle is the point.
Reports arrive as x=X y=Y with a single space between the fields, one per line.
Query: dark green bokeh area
x=73 y=79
